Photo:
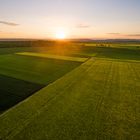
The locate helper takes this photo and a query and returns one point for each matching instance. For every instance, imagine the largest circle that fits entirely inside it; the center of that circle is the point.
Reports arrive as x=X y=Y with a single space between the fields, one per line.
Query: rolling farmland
x=51 y=56
x=70 y=70
x=96 y=99
x=34 y=69
x=21 y=76
x=106 y=106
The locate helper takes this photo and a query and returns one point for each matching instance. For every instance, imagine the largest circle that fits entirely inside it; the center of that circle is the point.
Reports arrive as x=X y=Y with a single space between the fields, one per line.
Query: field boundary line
x=118 y=60
x=43 y=103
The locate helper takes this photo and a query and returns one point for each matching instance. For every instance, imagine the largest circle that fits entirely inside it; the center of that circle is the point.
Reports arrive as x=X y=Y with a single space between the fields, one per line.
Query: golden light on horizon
x=61 y=34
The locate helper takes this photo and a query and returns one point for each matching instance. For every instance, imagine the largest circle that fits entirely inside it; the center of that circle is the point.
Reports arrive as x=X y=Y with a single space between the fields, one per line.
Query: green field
x=21 y=76
x=125 y=51
x=34 y=69
x=13 y=90
x=106 y=106
x=95 y=100
x=52 y=56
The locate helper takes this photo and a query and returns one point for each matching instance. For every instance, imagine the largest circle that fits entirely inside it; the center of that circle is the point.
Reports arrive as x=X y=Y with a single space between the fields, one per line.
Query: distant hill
x=106 y=40
x=77 y=40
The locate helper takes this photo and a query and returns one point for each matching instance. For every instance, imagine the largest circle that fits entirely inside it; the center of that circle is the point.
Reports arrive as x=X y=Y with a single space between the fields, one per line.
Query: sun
x=61 y=35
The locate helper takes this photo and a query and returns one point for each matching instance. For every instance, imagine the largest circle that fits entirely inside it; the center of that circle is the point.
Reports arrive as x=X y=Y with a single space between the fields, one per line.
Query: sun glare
x=61 y=34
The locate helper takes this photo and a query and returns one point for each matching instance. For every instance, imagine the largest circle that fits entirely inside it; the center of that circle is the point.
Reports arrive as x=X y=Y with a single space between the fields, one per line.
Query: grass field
x=95 y=100
x=14 y=90
x=106 y=106
x=115 y=50
x=34 y=69
x=21 y=76
x=51 y=56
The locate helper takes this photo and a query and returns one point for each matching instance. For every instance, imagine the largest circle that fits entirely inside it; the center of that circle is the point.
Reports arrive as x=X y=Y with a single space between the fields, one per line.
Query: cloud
x=135 y=35
x=113 y=33
x=129 y=35
x=9 y=23
x=81 y=25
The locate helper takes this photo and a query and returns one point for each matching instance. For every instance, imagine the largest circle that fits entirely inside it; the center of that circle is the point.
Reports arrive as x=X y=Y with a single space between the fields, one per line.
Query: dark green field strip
x=116 y=51
x=119 y=60
x=13 y=91
x=12 y=50
x=36 y=70
x=111 y=52
x=98 y=100
x=8 y=99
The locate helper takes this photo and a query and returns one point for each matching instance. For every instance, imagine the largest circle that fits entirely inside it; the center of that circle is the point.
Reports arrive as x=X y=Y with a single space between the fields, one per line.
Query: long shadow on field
x=14 y=90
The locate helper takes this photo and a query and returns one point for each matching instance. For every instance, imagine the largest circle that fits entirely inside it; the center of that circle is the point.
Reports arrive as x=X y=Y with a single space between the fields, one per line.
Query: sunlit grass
x=44 y=55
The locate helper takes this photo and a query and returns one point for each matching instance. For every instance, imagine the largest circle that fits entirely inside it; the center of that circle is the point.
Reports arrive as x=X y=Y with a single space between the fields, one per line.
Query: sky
x=95 y=19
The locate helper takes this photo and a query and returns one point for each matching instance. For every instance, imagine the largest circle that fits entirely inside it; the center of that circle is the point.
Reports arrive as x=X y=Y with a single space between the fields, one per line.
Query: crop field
x=106 y=106
x=21 y=76
x=51 y=56
x=125 y=51
x=13 y=90
x=97 y=98
x=34 y=69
